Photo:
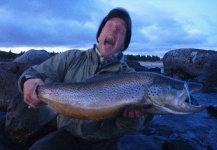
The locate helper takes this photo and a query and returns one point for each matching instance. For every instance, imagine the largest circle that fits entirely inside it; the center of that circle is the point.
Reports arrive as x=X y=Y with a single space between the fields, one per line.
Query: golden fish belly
x=91 y=101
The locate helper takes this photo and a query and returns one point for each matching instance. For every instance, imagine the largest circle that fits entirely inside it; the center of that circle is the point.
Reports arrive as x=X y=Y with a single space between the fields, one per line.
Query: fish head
x=172 y=96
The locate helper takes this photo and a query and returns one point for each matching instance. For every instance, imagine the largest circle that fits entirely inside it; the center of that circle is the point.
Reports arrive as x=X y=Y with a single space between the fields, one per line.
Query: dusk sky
x=158 y=25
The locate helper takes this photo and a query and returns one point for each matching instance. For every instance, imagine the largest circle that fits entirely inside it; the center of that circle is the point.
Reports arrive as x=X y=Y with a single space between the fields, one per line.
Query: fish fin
x=46 y=114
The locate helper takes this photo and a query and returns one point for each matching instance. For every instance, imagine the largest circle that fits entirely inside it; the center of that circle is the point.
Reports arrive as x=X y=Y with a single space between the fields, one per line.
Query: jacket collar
x=103 y=60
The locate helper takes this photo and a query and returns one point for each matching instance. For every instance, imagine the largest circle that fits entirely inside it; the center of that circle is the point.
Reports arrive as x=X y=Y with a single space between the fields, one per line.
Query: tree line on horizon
x=10 y=55
x=142 y=57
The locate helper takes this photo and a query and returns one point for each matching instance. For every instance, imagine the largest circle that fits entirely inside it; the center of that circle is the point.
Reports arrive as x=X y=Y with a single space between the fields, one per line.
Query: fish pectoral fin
x=46 y=114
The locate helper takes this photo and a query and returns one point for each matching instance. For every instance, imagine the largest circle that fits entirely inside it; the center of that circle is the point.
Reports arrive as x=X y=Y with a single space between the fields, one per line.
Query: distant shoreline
x=156 y=64
x=151 y=64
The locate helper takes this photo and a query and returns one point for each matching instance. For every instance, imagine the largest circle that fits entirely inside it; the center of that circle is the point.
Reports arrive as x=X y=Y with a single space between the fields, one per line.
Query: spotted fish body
x=107 y=96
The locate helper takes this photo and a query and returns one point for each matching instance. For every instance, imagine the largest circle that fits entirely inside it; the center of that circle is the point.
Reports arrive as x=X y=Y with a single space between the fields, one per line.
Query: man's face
x=112 y=37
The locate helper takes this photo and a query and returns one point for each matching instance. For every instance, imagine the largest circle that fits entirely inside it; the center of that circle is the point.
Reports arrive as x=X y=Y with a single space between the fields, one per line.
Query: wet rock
x=22 y=123
x=193 y=61
x=30 y=58
x=192 y=64
x=155 y=69
x=138 y=67
x=2 y=119
x=11 y=71
x=190 y=141
x=209 y=80
x=9 y=67
x=212 y=110
x=33 y=57
x=181 y=142
x=5 y=142
x=137 y=141
x=9 y=88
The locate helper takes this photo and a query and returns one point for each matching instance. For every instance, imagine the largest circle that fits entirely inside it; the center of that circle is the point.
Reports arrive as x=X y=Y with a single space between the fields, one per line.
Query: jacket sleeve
x=53 y=68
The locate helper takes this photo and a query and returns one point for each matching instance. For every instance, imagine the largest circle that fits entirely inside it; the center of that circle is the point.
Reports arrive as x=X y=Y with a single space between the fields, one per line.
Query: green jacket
x=77 y=66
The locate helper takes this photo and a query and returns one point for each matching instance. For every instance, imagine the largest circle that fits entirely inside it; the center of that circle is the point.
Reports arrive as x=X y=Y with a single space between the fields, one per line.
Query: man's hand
x=133 y=113
x=30 y=95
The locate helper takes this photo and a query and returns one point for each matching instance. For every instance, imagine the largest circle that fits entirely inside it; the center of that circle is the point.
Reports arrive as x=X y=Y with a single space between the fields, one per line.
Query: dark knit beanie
x=119 y=13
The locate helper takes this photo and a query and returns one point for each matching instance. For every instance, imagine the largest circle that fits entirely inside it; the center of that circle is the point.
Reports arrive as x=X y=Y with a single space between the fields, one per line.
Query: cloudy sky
x=158 y=25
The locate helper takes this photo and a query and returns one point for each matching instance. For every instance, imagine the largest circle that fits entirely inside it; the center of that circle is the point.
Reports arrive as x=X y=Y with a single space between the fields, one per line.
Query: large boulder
x=8 y=84
x=11 y=71
x=24 y=125
x=194 y=62
x=33 y=57
x=209 y=80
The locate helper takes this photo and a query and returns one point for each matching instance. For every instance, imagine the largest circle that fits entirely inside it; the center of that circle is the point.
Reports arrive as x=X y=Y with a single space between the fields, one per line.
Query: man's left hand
x=133 y=113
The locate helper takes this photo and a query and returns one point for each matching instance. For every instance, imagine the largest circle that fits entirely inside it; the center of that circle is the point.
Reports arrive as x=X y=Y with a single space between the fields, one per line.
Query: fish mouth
x=187 y=101
x=192 y=101
x=177 y=101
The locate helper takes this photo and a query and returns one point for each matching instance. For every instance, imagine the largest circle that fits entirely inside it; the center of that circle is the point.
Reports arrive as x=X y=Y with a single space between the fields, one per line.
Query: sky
x=158 y=26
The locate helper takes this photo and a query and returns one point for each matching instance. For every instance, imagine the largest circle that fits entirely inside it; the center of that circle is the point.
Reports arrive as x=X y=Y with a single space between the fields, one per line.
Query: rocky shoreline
x=196 y=131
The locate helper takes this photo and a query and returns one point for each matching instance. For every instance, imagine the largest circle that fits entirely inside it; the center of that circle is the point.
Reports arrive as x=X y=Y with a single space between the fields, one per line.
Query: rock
x=9 y=67
x=155 y=69
x=30 y=58
x=11 y=71
x=33 y=57
x=212 y=110
x=193 y=62
x=22 y=123
x=136 y=141
x=9 y=88
x=2 y=119
x=191 y=141
x=5 y=142
x=138 y=67
x=181 y=141
x=209 y=80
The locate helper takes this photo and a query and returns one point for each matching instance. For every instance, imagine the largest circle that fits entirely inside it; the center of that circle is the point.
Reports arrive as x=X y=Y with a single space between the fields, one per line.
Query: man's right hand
x=30 y=95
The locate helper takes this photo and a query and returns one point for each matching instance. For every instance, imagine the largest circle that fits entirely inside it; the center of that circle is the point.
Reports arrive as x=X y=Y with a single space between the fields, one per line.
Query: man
x=113 y=38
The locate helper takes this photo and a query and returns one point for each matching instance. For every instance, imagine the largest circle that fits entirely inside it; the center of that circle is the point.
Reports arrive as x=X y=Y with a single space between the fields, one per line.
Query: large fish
x=107 y=96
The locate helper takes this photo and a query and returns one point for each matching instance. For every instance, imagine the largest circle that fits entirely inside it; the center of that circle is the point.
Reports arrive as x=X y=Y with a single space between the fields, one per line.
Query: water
x=153 y=65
